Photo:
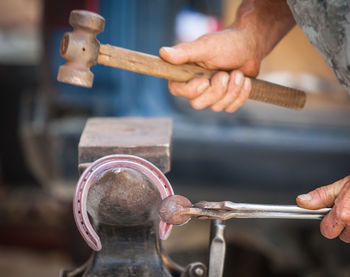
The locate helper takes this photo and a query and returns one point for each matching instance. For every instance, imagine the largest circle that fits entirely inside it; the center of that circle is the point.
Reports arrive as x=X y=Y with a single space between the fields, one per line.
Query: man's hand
x=336 y=195
x=259 y=25
x=222 y=50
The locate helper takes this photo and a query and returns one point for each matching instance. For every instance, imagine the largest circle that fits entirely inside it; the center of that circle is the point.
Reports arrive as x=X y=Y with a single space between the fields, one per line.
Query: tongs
x=178 y=210
x=225 y=210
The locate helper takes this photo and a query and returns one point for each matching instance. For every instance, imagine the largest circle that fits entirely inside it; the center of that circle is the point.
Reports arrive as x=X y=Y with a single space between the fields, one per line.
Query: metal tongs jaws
x=226 y=210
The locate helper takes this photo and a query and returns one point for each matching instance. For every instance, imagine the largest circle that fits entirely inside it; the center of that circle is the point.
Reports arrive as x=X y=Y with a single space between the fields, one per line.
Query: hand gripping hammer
x=81 y=50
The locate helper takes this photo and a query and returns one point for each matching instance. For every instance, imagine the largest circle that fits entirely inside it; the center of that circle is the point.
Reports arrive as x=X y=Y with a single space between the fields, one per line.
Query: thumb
x=321 y=197
x=188 y=52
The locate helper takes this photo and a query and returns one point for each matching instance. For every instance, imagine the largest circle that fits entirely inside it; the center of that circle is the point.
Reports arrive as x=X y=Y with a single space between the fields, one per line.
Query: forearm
x=268 y=21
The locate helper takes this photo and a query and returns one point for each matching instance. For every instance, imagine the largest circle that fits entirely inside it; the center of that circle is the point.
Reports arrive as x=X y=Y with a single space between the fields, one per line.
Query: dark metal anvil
x=121 y=186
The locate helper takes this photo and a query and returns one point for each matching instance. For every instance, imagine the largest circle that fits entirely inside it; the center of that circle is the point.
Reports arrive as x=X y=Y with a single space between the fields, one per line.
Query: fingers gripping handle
x=152 y=65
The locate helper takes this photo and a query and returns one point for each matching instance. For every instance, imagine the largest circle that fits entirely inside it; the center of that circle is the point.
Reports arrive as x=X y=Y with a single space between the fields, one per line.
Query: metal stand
x=123 y=202
x=121 y=194
x=217 y=248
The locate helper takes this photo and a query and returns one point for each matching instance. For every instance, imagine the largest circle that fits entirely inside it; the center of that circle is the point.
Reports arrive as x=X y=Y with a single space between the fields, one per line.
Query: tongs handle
x=177 y=209
x=225 y=210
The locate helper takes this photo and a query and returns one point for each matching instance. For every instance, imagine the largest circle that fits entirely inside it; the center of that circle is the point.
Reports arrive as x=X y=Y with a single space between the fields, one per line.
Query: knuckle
x=234 y=91
x=321 y=193
x=245 y=96
x=181 y=89
x=172 y=88
x=343 y=215
x=326 y=230
x=326 y=235
x=247 y=87
x=216 y=108
x=345 y=235
x=230 y=110
x=205 y=38
x=218 y=93
x=345 y=238
x=347 y=181
x=239 y=103
x=172 y=91
x=195 y=105
x=252 y=67
x=191 y=92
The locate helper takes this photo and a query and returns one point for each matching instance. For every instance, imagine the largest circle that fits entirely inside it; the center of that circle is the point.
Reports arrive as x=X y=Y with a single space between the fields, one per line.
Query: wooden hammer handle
x=155 y=66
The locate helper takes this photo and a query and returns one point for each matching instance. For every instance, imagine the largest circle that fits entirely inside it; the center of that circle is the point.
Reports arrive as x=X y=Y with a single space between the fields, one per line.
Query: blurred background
x=261 y=154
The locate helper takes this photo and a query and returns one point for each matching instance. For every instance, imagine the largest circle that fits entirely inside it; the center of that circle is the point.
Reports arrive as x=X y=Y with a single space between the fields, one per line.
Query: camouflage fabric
x=327 y=25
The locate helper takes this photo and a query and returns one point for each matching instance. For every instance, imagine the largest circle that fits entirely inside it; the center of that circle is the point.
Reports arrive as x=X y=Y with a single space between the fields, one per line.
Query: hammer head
x=80 y=48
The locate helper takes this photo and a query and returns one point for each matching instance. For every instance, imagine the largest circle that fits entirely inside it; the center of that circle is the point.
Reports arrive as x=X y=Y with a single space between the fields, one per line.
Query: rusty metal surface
x=123 y=197
x=123 y=204
x=92 y=175
x=148 y=138
x=123 y=201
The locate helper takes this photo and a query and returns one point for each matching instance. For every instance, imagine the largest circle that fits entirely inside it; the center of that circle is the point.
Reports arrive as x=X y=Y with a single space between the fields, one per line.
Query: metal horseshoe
x=94 y=171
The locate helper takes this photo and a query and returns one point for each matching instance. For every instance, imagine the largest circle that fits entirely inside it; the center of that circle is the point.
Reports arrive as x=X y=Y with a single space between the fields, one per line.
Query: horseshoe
x=94 y=171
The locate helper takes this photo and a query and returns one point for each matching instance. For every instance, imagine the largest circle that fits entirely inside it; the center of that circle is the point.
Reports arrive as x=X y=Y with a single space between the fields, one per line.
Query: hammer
x=81 y=50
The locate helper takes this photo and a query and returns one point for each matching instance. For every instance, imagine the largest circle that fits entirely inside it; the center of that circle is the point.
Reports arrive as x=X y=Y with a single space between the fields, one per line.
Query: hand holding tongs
x=177 y=209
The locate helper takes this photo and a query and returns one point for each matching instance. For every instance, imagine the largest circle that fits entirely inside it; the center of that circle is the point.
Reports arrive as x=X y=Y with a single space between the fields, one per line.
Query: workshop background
x=260 y=154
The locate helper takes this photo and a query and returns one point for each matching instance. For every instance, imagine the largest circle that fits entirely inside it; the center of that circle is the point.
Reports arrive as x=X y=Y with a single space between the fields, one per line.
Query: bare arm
x=268 y=21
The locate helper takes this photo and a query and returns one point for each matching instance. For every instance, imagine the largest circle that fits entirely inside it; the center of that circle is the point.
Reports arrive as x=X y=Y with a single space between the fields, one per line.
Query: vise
x=121 y=162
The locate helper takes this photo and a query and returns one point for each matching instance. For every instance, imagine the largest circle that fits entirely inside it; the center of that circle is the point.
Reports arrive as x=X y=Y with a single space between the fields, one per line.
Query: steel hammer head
x=80 y=48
